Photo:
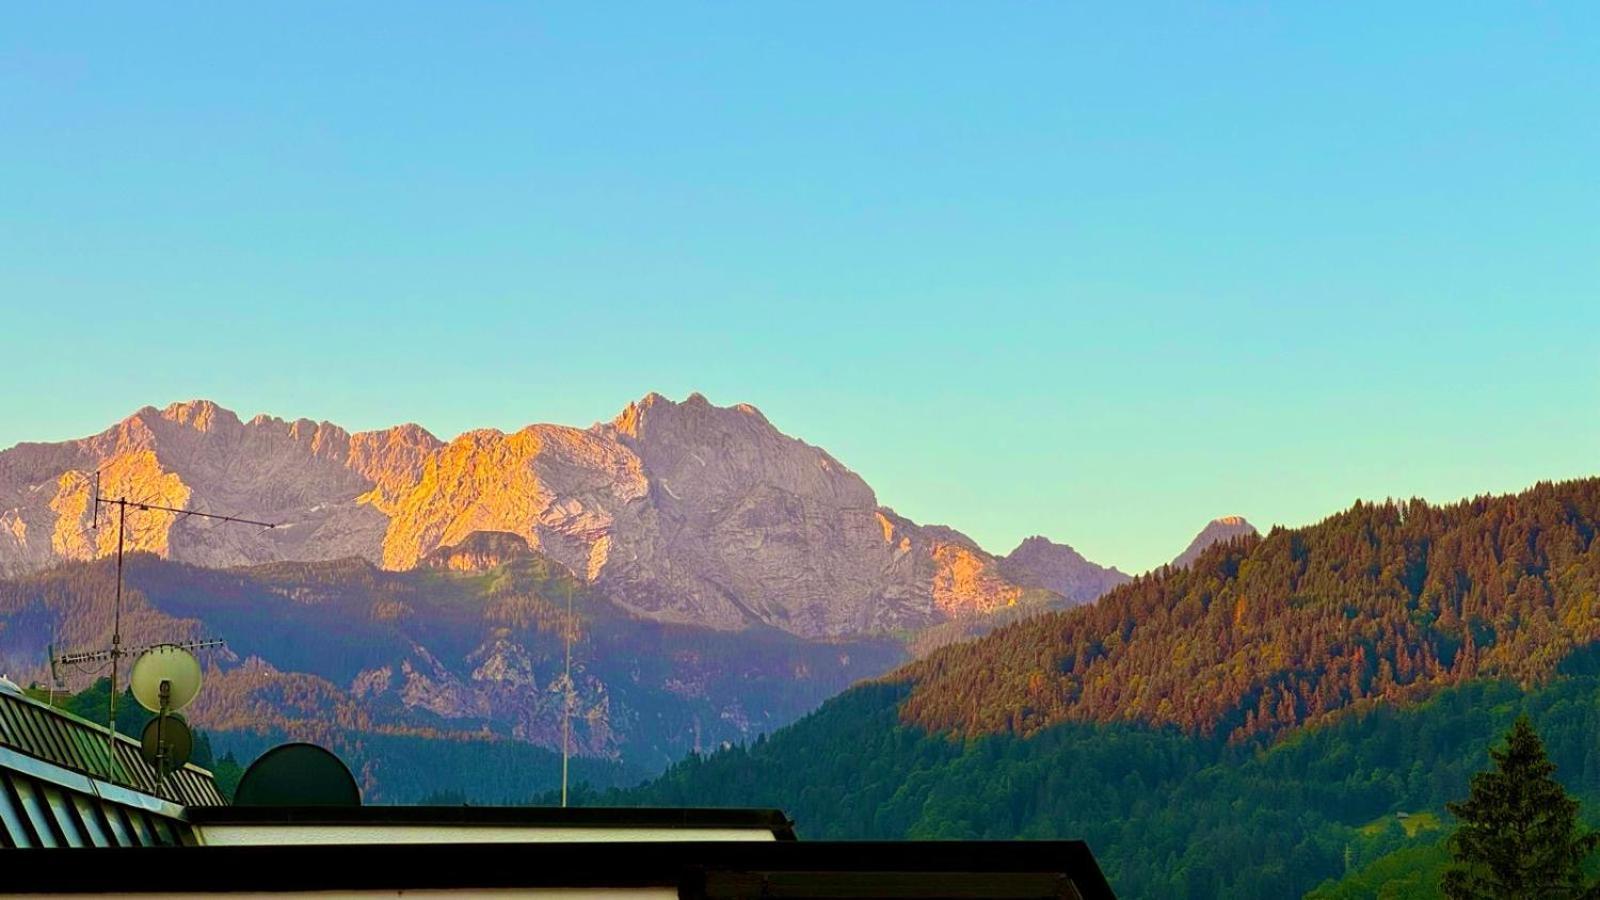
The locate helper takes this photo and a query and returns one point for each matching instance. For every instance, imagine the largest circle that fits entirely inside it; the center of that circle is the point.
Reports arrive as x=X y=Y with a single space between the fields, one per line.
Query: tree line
x=1383 y=602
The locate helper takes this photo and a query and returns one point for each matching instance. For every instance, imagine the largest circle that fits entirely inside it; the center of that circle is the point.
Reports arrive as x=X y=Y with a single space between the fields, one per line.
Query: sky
x=1100 y=272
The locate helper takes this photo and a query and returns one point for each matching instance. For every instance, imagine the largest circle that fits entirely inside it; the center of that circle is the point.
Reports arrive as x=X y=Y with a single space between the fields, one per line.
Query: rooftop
x=62 y=740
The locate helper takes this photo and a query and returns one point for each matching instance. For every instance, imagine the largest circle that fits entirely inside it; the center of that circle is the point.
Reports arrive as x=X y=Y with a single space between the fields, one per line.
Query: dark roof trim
x=531 y=816
x=485 y=866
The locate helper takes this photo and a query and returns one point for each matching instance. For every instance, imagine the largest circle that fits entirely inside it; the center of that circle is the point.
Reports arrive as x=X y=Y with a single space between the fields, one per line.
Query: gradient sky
x=1087 y=271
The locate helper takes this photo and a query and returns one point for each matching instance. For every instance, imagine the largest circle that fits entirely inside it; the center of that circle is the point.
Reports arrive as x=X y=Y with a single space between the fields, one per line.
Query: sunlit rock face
x=679 y=511
x=316 y=479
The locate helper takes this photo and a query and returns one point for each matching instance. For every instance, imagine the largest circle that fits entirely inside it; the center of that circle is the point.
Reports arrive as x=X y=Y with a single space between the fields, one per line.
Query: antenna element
x=115 y=653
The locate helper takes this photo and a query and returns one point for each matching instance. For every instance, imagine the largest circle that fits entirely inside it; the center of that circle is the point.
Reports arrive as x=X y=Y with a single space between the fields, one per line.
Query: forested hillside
x=1384 y=601
x=1167 y=814
x=444 y=678
x=1287 y=710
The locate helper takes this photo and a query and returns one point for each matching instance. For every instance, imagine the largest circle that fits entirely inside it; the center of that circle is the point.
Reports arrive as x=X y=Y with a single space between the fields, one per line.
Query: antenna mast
x=566 y=704
x=116 y=652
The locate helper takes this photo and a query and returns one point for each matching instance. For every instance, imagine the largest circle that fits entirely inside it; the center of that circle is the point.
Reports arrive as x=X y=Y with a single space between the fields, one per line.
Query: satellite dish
x=166 y=743
x=297 y=775
x=166 y=664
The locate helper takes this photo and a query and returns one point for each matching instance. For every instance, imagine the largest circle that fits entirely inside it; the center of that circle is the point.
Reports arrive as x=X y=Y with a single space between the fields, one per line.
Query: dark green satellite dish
x=166 y=744
x=297 y=775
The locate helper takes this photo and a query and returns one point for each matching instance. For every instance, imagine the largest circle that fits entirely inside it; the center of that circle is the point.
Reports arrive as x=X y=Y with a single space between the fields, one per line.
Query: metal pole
x=116 y=645
x=161 y=732
x=566 y=704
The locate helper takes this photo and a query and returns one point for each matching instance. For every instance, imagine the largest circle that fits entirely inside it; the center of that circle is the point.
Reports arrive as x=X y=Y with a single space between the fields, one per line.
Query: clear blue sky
x=1080 y=270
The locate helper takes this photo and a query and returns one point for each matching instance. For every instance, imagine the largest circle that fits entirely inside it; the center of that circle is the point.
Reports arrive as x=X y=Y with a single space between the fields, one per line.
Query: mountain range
x=726 y=579
x=678 y=511
x=1266 y=713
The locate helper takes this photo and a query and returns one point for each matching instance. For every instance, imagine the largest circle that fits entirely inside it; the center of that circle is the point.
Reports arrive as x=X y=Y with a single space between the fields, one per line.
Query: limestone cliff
x=323 y=484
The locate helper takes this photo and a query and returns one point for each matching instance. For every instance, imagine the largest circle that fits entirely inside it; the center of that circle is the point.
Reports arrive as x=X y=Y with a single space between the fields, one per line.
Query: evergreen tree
x=1519 y=834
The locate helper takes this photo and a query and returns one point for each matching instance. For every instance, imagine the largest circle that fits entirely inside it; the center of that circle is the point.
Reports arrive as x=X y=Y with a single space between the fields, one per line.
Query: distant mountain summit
x=679 y=511
x=1039 y=562
x=1225 y=528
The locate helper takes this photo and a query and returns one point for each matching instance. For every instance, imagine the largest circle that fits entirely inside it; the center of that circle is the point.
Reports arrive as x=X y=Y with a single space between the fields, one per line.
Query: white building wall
x=227 y=835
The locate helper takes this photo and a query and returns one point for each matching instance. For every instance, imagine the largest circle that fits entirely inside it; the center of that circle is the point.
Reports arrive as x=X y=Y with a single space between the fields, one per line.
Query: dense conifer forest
x=1383 y=602
x=1167 y=814
x=1288 y=712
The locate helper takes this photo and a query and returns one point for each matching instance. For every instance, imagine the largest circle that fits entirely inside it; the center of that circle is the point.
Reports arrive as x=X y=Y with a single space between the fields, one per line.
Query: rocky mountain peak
x=1222 y=528
x=1039 y=544
x=201 y=415
x=1039 y=562
x=629 y=421
x=656 y=411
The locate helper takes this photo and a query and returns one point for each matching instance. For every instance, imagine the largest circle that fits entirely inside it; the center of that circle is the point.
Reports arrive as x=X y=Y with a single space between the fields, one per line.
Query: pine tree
x=1519 y=834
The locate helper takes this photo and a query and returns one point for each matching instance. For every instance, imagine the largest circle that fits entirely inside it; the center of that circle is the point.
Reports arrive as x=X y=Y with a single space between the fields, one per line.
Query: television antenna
x=115 y=652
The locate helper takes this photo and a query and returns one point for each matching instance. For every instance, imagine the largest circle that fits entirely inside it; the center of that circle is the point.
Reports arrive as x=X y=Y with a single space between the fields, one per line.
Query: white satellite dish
x=165 y=665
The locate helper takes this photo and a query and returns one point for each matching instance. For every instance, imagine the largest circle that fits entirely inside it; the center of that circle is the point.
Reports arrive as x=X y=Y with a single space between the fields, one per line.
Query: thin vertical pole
x=116 y=644
x=566 y=703
x=117 y=652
